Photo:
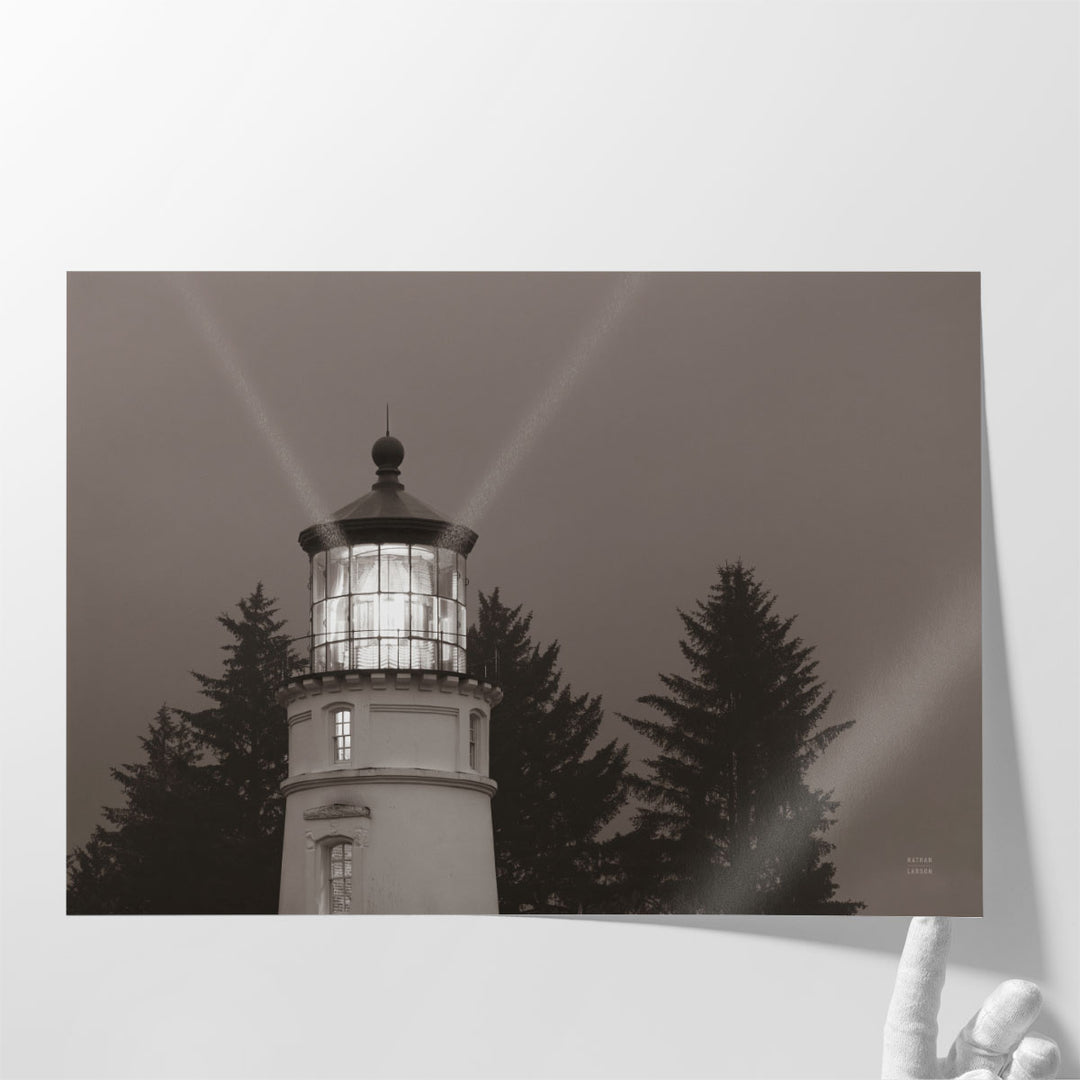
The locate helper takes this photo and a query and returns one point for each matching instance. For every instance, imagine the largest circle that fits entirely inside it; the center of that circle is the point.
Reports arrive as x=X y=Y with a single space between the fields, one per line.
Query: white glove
x=994 y=1043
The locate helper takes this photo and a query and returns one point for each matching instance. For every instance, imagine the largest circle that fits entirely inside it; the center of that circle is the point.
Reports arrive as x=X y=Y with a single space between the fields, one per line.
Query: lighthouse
x=388 y=798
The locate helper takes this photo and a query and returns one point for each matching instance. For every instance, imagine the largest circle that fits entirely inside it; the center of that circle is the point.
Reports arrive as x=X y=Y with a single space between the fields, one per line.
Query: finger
x=911 y=1023
x=1036 y=1058
x=992 y=1034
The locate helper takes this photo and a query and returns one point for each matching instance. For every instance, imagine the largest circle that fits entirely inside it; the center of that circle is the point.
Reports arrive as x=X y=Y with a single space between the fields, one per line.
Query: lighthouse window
x=366 y=654
x=449 y=576
x=337 y=572
x=318 y=576
x=394 y=611
x=474 y=740
x=365 y=615
x=318 y=636
x=423 y=569
x=448 y=619
x=334 y=631
x=394 y=653
x=340 y=891
x=342 y=735
x=394 y=568
x=365 y=568
x=423 y=654
x=337 y=620
x=423 y=615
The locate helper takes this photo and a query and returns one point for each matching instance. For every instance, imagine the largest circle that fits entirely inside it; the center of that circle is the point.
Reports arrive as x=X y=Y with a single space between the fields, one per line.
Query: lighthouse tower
x=388 y=800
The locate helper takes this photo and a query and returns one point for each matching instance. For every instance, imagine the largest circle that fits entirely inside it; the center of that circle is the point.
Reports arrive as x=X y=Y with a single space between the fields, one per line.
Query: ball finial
x=387 y=453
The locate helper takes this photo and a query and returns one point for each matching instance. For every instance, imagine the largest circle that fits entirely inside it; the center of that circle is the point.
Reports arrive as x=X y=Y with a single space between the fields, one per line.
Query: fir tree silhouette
x=158 y=857
x=200 y=831
x=729 y=823
x=555 y=791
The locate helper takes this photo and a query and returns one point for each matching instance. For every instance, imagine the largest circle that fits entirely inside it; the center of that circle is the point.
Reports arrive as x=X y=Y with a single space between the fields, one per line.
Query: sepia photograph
x=524 y=593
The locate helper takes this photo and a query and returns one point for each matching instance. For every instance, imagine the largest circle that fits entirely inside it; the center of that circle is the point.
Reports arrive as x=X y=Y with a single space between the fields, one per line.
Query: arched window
x=474 y=741
x=339 y=885
x=342 y=721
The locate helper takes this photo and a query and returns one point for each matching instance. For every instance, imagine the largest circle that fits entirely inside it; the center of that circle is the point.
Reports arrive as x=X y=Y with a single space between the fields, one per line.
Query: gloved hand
x=994 y=1043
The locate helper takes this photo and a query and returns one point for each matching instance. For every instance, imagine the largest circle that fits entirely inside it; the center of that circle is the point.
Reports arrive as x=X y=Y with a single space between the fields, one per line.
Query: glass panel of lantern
x=423 y=569
x=337 y=618
x=318 y=577
x=365 y=568
x=450 y=657
x=448 y=620
x=337 y=632
x=394 y=568
x=366 y=653
x=393 y=611
x=423 y=615
x=393 y=653
x=423 y=654
x=448 y=574
x=337 y=571
x=365 y=615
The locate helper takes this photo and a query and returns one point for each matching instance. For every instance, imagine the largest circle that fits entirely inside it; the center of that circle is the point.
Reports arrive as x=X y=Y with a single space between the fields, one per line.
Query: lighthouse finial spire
x=387 y=453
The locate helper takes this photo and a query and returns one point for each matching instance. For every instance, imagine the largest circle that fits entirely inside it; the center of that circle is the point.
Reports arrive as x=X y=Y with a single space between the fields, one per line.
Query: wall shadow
x=1008 y=938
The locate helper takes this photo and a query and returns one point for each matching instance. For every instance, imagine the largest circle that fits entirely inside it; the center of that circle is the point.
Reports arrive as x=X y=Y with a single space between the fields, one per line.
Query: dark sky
x=612 y=439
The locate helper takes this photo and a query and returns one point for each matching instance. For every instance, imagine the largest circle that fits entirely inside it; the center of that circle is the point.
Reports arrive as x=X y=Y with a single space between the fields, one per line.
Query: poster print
x=524 y=593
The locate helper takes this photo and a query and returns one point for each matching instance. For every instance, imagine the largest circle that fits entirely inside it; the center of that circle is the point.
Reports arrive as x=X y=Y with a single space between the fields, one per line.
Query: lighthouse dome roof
x=387 y=513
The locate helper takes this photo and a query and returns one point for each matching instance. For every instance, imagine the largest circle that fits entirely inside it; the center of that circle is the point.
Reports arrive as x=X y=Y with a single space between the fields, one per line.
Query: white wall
x=579 y=136
x=426 y=845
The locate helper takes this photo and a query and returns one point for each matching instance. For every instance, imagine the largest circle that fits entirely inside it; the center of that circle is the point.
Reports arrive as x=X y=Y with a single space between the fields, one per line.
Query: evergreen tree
x=200 y=831
x=158 y=856
x=729 y=823
x=247 y=736
x=554 y=795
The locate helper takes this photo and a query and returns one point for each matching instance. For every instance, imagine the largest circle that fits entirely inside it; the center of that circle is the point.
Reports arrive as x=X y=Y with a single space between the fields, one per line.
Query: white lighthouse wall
x=425 y=849
x=403 y=734
x=411 y=799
